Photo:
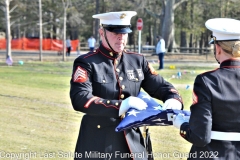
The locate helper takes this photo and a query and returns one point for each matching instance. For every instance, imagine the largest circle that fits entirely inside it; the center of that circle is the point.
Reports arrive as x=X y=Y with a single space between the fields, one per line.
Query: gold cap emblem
x=123 y=15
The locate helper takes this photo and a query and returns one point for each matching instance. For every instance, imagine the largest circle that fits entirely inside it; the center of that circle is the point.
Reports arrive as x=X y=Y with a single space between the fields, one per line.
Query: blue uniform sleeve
x=198 y=130
x=81 y=93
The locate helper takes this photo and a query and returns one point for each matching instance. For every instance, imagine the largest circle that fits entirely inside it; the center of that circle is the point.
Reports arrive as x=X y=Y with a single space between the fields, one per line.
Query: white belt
x=225 y=136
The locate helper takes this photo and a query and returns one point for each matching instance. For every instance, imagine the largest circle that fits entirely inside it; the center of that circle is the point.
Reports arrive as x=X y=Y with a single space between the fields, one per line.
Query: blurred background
x=45 y=24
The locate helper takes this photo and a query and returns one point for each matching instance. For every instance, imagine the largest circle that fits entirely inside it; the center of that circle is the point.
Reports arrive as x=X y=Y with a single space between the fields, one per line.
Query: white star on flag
x=153 y=115
x=157 y=107
x=132 y=112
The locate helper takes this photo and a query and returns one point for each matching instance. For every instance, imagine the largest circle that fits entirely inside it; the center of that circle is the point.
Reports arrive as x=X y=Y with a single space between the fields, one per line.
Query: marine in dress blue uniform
x=101 y=81
x=214 y=125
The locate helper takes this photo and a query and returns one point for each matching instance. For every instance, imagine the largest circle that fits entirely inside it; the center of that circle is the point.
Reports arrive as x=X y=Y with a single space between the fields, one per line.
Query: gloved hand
x=132 y=102
x=179 y=119
x=172 y=104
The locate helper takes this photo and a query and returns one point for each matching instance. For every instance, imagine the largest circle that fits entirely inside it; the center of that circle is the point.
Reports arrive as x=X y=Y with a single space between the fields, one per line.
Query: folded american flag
x=152 y=116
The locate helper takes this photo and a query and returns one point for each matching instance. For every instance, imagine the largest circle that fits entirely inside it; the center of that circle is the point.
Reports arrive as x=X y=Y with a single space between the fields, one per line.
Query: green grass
x=36 y=116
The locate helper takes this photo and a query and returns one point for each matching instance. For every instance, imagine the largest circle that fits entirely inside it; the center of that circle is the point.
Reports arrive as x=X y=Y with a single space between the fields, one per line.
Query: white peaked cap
x=224 y=28
x=122 y=18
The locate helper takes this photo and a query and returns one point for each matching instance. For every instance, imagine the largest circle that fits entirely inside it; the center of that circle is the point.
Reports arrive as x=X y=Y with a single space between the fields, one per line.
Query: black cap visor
x=118 y=28
x=214 y=39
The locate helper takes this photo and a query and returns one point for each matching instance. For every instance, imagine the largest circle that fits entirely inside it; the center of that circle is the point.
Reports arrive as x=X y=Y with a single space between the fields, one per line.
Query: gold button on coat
x=120 y=78
x=98 y=126
x=108 y=101
x=104 y=81
x=123 y=87
x=116 y=103
x=122 y=96
x=118 y=70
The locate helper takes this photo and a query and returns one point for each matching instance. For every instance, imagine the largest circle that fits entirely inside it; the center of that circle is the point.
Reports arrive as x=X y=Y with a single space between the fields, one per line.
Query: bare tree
x=40 y=30
x=168 y=22
x=65 y=7
x=166 y=17
x=8 y=34
x=96 y=21
x=7 y=11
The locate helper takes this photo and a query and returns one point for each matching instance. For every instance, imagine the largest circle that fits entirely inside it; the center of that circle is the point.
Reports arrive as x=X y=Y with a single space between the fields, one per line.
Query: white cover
x=116 y=18
x=224 y=28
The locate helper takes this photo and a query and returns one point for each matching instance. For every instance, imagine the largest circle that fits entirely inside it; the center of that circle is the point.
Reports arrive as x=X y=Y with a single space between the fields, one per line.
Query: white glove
x=179 y=119
x=132 y=102
x=172 y=104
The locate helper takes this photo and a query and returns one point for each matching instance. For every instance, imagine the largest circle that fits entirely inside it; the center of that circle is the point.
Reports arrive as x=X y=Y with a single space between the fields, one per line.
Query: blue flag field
x=152 y=116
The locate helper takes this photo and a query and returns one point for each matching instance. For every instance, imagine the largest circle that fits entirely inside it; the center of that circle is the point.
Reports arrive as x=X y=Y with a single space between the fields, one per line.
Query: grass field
x=37 y=119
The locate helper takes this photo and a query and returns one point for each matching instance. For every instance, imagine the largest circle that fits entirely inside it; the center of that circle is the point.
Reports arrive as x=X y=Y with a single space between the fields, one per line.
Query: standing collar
x=108 y=53
x=233 y=62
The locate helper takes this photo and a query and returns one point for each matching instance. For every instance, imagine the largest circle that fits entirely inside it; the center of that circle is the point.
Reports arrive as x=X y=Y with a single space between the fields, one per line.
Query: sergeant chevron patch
x=80 y=75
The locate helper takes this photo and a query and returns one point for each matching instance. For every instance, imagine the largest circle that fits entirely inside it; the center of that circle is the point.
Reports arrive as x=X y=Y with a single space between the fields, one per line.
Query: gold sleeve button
x=108 y=102
x=116 y=103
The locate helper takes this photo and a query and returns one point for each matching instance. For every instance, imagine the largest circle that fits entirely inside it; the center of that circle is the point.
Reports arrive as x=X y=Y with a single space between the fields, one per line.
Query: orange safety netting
x=33 y=44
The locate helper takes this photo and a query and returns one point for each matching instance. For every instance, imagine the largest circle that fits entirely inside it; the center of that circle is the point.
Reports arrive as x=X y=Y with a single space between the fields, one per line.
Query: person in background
x=69 y=46
x=214 y=125
x=160 y=51
x=91 y=43
x=105 y=84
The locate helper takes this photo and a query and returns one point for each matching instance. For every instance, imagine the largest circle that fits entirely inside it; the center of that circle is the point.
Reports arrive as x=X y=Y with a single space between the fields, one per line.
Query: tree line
x=179 y=22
